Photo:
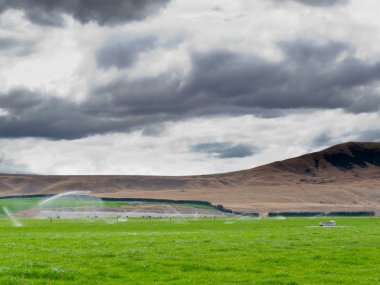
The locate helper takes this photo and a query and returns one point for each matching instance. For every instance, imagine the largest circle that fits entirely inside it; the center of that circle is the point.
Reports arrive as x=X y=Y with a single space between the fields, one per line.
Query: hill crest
x=345 y=160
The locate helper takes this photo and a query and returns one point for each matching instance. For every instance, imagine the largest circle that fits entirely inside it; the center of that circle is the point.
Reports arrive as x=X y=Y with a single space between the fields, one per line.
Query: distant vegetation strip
x=27 y=201
x=166 y=201
x=30 y=201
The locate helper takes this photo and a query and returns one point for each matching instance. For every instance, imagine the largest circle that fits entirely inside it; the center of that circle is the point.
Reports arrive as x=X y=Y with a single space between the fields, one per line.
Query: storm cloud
x=220 y=82
x=311 y=75
x=32 y=114
x=224 y=150
x=112 y=12
x=123 y=50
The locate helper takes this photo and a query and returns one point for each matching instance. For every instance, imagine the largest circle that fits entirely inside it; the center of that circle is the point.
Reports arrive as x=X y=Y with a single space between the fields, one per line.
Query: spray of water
x=71 y=204
x=70 y=193
x=15 y=222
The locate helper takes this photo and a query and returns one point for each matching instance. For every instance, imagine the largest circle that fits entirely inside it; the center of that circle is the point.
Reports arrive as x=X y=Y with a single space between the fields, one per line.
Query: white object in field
x=328 y=224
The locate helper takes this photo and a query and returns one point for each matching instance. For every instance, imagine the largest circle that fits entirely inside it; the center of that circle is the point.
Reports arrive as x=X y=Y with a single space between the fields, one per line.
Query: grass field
x=190 y=251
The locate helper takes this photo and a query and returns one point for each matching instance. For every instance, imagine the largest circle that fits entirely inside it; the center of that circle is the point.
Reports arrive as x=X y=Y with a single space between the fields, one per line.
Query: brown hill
x=343 y=177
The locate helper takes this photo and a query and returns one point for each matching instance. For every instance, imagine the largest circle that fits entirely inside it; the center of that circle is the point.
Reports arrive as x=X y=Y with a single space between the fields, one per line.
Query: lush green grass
x=203 y=251
x=19 y=203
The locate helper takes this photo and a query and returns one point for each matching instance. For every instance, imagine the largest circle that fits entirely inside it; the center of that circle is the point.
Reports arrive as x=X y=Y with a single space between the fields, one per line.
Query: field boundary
x=217 y=207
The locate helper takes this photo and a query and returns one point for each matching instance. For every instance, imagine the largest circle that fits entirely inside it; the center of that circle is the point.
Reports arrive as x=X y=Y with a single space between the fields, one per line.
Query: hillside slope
x=345 y=176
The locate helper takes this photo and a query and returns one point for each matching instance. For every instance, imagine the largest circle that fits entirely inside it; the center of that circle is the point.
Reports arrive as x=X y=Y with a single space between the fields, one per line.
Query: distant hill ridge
x=343 y=160
x=343 y=156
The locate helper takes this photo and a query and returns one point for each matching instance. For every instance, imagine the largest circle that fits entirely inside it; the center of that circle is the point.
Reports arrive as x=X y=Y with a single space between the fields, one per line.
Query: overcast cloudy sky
x=183 y=87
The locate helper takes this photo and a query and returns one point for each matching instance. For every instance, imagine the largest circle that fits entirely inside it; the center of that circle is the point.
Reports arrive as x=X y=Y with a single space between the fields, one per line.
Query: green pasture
x=190 y=251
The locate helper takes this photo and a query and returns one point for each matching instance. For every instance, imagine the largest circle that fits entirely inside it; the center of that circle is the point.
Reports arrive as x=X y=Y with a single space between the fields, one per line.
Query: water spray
x=15 y=222
x=70 y=193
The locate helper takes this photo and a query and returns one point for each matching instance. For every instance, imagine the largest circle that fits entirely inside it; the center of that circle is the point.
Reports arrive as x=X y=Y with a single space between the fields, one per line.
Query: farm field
x=190 y=251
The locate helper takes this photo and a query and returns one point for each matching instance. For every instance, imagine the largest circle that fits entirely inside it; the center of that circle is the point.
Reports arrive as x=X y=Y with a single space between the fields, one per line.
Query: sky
x=160 y=87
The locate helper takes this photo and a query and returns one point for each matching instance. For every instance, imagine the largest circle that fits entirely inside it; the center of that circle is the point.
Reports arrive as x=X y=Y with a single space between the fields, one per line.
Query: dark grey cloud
x=220 y=82
x=38 y=115
x=14 y=46
x=123 y=50
x=317 y=3
x=310 y=76
x=156 y=130
x=110 y=12
x=224 y=150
